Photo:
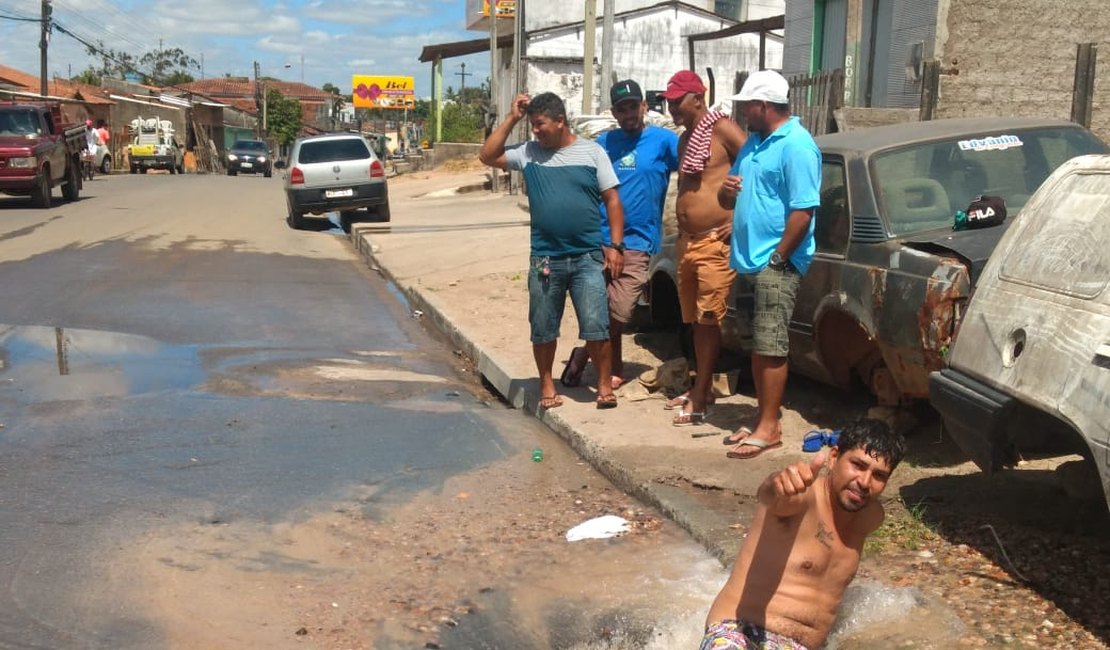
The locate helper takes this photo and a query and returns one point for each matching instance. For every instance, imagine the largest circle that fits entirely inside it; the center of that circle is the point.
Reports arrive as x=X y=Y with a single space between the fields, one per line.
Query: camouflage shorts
x=775 y=294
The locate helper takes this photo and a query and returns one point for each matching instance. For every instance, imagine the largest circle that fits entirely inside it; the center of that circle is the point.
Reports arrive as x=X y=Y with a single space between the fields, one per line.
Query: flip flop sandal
x=607 y=401
x=737 y=437
x=681 y=401
x=550 y=402
x=760 y=447
x=676 y=402
x=689 y=418
x=576 y=363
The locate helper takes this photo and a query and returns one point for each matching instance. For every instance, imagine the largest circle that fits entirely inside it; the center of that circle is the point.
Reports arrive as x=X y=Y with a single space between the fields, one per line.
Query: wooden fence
x=813 y=98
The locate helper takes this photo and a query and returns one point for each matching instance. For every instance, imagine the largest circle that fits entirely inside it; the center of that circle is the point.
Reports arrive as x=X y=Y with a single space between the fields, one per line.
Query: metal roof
x=461 y=48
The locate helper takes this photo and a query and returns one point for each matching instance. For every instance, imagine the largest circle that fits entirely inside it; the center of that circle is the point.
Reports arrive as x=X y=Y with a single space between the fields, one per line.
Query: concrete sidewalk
x=462 y=259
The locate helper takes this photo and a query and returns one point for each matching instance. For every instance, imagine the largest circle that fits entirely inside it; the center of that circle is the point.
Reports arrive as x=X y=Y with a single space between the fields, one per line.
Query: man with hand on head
x=804 y=545
x=567 y=178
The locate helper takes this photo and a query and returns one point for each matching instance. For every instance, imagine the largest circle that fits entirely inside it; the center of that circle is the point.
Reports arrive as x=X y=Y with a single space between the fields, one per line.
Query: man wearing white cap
x=778 y=178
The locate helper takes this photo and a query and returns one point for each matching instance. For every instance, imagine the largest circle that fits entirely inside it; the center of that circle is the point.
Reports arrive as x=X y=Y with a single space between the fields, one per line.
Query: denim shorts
x=582 y=276
x=775 y=295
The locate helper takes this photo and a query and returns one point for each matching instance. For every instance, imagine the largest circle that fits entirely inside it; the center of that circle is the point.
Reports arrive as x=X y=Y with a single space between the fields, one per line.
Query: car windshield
x=19 y=122
x=249 y=145
x=333 y=150
x=921 y=187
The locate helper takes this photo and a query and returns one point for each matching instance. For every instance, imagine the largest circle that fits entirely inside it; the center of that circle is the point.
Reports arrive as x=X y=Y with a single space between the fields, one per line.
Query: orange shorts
x=704 y=276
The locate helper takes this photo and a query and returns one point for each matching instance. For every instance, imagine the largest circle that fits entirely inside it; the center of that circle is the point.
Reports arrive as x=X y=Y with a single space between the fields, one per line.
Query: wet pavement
x=219 y=432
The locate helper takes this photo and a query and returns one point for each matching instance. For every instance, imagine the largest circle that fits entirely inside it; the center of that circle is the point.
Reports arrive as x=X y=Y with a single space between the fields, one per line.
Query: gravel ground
x=1012 y=585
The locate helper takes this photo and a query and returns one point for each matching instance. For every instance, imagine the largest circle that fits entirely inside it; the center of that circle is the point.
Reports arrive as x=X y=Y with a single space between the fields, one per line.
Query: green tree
x=163 y=66
x=462 y=123
x=112 y=63
x=283 y=116
x=88 y=76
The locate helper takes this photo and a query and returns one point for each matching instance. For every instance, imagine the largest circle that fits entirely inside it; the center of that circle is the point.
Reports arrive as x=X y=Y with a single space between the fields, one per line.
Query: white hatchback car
x=335 y=172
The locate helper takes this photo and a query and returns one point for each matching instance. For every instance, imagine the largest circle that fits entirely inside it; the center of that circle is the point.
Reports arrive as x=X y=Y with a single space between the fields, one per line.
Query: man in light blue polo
x=778 y=178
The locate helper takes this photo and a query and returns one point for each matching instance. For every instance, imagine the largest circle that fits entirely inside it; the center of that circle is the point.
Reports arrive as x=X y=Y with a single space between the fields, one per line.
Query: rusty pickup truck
x=39 y=151
x=891 y=278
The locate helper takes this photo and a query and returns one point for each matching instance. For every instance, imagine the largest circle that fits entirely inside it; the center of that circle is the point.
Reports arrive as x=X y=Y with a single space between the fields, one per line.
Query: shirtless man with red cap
x=707 y=148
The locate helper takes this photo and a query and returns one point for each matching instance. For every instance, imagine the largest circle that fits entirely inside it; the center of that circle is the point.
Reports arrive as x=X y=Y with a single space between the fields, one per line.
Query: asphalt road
x=221 y=432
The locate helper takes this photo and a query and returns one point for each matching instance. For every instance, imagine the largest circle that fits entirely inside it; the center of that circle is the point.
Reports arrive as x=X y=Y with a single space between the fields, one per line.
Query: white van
x=1030 y=368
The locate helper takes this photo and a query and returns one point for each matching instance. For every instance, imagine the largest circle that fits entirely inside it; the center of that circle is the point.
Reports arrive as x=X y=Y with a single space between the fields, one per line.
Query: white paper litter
x=602 y=527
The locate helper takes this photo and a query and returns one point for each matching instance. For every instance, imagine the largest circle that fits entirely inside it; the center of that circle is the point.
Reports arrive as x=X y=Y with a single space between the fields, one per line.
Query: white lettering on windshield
x=992 y=143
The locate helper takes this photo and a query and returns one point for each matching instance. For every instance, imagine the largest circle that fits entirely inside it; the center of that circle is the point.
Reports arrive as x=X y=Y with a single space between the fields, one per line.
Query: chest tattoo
x=824 y=535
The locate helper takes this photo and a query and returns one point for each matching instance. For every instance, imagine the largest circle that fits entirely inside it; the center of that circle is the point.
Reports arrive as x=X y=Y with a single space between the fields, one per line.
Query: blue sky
x=337 y=38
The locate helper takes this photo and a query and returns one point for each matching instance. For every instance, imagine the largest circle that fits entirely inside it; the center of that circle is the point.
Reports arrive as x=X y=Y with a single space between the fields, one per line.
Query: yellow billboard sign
x=383 y=92
x=504 y=8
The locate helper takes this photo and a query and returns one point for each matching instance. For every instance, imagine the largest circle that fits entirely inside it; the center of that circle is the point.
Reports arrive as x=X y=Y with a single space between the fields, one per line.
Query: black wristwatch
x=777 y=263
x=619 y=247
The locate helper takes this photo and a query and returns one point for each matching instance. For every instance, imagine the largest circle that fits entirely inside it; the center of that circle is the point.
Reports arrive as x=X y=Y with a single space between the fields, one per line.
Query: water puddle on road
x=46 y=364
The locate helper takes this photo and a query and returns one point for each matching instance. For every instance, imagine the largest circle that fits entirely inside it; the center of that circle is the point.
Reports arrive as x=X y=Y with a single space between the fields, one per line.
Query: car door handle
x=1103 y=351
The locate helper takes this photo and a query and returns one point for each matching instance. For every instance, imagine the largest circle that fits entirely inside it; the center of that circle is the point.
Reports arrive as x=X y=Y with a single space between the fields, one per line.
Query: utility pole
x=494 y=84
x=520 y=78
x=606 y=54
x=43 y=43
x=589 y=34
x=464 y=74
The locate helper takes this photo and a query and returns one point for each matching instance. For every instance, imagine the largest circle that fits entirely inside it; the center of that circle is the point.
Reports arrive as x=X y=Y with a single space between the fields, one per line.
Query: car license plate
x=335 y=194
x=246 y=165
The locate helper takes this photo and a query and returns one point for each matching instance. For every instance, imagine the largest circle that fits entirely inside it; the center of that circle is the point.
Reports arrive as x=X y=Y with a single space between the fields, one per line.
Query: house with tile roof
x=243 y=93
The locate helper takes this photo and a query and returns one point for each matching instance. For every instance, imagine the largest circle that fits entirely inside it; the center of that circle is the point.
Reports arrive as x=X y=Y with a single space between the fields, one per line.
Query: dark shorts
x=582 y=277
x=738 y=635
x=775 y=295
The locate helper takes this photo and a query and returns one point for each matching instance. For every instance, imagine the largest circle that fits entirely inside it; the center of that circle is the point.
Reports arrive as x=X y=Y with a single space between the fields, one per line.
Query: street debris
x=602 y=527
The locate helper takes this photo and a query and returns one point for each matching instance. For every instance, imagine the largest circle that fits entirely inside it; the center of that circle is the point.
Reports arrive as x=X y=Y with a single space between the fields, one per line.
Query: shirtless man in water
x=707 y=149
x=804 y=545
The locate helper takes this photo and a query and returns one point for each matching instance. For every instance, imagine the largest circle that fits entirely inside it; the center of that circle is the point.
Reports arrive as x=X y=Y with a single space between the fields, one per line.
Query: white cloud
x=367 y=12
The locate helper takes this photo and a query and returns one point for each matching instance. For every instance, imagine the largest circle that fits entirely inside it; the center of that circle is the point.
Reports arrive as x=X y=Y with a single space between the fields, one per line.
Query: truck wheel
x=134 y=169
x=231 y=172
x=106 y=165
x=268 y=173
x=173 y=169
x=72 y=187
x=146 y=169
x=40 y=196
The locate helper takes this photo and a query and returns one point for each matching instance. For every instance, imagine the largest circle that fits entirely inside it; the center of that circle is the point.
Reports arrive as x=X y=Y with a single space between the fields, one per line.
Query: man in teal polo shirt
x=778 y=178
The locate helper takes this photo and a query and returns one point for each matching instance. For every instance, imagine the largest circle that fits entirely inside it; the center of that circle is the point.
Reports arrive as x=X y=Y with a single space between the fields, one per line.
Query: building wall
x=914 y=21
x=798 y=37
x=1017 y=57
x=648 y=48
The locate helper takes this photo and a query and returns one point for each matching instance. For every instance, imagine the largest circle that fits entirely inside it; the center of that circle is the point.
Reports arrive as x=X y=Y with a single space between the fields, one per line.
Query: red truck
x=39 y=151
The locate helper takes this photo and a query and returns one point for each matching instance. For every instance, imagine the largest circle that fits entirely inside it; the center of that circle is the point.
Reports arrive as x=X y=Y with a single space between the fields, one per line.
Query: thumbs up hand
x=791 y=482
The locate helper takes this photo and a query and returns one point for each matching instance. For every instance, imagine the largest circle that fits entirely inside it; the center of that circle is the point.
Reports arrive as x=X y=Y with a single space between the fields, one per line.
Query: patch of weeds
x=904 y=528
x=516 y=278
